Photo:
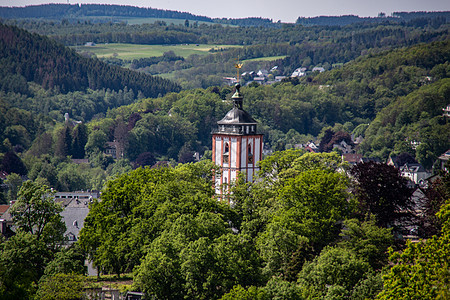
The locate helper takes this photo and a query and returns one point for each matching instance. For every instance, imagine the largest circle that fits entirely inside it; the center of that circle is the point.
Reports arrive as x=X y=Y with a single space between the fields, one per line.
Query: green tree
x=80 y=138
x=22 y=261
x=35 y=212
x=61 y=287
x=64 y=142
x=67 y=261
x=367 y=241
x=14 y=182
x=96 y=142
x=333 y=274
x=421 y=270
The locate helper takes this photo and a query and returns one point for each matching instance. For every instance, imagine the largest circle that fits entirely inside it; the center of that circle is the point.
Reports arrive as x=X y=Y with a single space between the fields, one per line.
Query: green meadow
x=268 y=58
x=135 y=51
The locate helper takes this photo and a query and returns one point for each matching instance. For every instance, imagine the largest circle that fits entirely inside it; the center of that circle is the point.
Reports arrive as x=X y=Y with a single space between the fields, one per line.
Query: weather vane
x=238 y=67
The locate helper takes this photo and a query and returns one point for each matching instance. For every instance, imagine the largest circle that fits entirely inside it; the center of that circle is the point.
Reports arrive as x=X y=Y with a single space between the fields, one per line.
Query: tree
x=67 y=261
x=14 y=182
x=22 y=261
x=61 y=287
x=312 y=204
x=64 y=142
x=145 y=159
x=96 y=142
x=421 y=271
x=333 y=273
x=36 y=212
x=11 y=163
x=383 y=192
x=80 y=137
x=368 y=241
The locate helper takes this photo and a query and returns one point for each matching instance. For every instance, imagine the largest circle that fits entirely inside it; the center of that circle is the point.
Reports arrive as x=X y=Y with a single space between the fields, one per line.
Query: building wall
x=238 y=157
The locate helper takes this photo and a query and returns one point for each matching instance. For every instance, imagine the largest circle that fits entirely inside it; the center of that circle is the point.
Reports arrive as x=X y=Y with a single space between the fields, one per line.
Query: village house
x=299 y=72
x=415 y=172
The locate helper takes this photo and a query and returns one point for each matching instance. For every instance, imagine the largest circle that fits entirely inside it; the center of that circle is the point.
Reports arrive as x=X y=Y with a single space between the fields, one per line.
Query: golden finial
x=238 y=67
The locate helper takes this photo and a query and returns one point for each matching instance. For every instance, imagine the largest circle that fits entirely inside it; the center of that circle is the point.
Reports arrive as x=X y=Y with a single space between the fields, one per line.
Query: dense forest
x=32 y=58
x=303 y=231
x=307 y=47
x=173 y=127
x=60 y=11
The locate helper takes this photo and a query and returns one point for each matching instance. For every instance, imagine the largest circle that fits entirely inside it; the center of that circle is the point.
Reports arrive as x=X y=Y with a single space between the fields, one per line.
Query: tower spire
x=238 y=67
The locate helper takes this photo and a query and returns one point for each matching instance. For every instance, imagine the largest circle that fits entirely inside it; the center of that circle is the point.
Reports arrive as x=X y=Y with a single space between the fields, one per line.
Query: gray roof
x=237 y=116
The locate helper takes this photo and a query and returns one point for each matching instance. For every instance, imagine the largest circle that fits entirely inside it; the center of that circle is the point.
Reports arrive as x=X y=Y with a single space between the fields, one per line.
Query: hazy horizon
x=283 y=10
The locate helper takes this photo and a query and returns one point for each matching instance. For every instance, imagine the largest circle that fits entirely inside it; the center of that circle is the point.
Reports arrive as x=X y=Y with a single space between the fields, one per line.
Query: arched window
x=250 y=154
x=226 y=152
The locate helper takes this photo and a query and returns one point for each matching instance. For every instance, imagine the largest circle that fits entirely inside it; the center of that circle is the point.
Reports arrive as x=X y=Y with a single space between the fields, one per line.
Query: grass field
x=268 y=58
x=134 y=51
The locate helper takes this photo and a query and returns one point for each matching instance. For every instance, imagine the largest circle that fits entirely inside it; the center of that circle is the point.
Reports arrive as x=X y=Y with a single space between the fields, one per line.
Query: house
x=89 y=44
x=80 y=161
x=112 y=149
x=279 y=78
x=230 y=80
x=259 y=80
x=3 y=209
x=444 y=158
x=352 y=158
x=6 y=222
x=414 y=172
x=299 y=72
x=274 y=69
x=262 y=73
x=318 y=69
x=344 y=147
x=310 y=147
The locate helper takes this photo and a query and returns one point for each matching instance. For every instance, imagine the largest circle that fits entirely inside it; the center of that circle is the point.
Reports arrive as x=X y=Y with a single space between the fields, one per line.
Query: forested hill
x=26 y=57
x=411 y=17
x=59 y=11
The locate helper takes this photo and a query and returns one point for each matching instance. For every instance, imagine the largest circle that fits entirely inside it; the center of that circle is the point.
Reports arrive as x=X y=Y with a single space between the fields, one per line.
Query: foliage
x=240 y=293
x=368 y=241
x=61 y=287
x=14 y=182
x=383 y=192
x=11 y=163
x=35 y=212
x=139 y=204
x=51 y=65
x=421 y=271
x=22 y=262
x=333 y=273
x=68 y=261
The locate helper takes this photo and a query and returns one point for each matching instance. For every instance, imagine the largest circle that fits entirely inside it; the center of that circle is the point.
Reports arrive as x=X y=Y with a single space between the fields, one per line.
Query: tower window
x=226 y=153
x=250 y=154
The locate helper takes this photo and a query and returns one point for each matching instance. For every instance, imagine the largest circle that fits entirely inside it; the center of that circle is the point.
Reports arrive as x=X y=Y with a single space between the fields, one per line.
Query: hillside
x=26 y=57
x=60 y=11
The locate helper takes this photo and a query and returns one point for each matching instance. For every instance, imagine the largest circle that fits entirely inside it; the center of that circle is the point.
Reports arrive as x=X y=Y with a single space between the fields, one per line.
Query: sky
x=283 y=10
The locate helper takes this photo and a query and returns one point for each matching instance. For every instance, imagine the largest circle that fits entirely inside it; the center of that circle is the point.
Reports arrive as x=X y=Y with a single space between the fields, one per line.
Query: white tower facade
x=236 y=146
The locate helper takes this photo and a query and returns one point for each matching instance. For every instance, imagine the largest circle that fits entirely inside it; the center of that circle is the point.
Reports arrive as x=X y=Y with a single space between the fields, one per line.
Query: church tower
x=236 y=145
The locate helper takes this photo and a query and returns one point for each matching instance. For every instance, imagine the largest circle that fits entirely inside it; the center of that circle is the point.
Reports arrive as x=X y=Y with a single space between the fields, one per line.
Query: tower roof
x=237 y=116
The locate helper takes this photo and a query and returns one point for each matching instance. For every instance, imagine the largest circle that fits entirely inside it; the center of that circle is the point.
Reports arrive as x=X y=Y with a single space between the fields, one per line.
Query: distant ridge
x=351 y=19
x=59 y=11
